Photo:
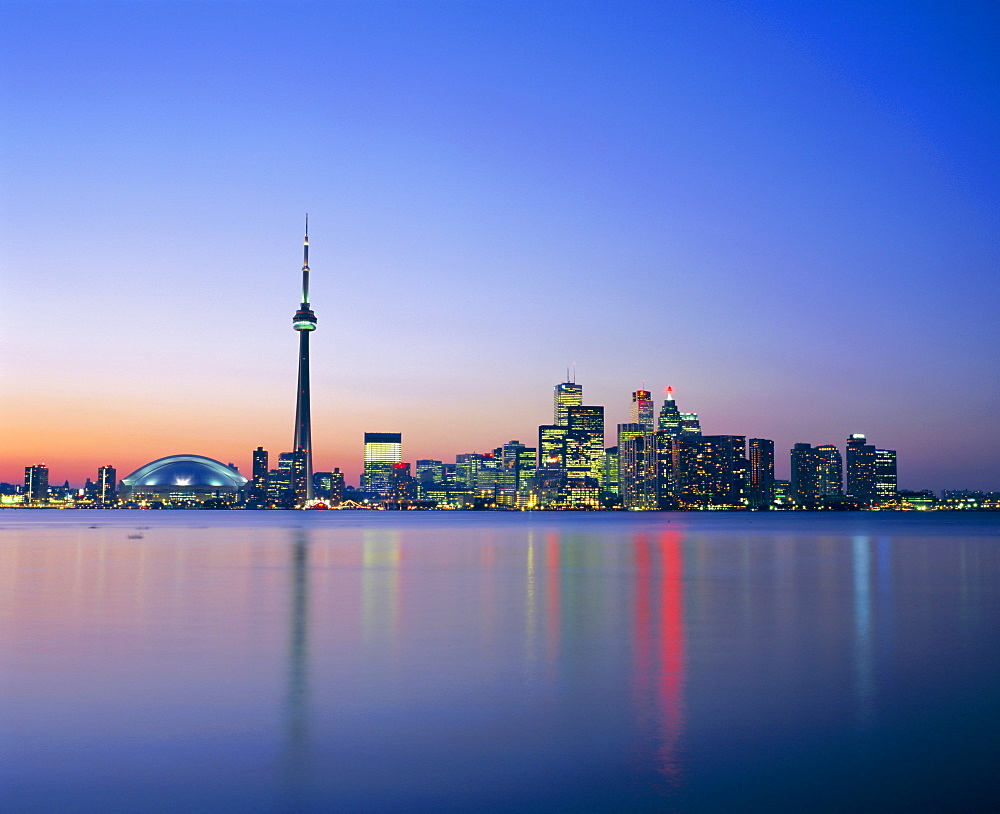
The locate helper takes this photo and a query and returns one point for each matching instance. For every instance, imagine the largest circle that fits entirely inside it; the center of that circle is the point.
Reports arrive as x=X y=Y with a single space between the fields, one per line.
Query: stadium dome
x=182 y=477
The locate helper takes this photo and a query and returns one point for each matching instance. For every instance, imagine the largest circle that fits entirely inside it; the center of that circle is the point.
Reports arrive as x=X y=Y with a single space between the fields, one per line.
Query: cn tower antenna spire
x=305 y=265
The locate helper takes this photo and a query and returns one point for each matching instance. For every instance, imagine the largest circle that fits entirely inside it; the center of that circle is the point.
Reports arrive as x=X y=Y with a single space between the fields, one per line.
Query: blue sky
x=787 y=211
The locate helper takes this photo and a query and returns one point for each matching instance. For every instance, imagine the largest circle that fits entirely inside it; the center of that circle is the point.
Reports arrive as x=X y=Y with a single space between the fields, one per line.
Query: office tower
x=711 y=471
x=831 y=470
x=612 y=472
x=690 y=425
x=552 y=446
x=279 y=491
x=402 y=486
x=860 y=470
x=761 y=473
x=90 y=490
x=382 y=450
x=304 y=322
x=336 y=486
x=521 y=459
x=429 y=473
x=295 y=465
x=107 y=485
x=321 y=484
x=670 y=417
x=663 y=449
x=636 y=466
x=642 y=410
x=805 y=476
x=258 y=481
x=36 y=483
x=885 y=476
x=567 y=394
x=467 y=469
x=585 y=442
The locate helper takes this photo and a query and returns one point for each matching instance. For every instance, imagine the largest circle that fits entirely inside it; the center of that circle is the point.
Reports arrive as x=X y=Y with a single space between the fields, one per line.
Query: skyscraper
x=382 y=451
x=761 y=454
x=670 y=416
x=642 y=409
x=304 y=322
x=585 y=441
x=860 y=470
x=885 y=476
x=567 y=394
x=830 y=470
x=36 y=483
x=711 y=471
x=107 y=482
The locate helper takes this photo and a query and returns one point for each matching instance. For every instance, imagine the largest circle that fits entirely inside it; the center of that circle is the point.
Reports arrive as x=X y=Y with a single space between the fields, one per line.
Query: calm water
x=350 y=661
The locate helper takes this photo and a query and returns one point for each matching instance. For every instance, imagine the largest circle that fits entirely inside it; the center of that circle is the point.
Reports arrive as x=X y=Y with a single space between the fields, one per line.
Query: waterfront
x=398 y=661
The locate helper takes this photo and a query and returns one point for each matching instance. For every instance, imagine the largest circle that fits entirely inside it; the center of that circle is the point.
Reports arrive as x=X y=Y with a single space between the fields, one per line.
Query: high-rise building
x=670 y=417
x=258 y=482
x=402 y=486
x=885 y=476
x=521 y=459
x=830 y=470
x=567 y=394
x=612 y=471
x=690 y=425
x=761 y=472
x=805 y=474
x=304 y=322
x=382 y=451
x=321 y=484
x=295 y=465
x=642 y=410
x=711 y=471
x=552 y=446
x=860 y=470
x=36 y=483
x=336 y=486
x=107 y=485
x=585 y=443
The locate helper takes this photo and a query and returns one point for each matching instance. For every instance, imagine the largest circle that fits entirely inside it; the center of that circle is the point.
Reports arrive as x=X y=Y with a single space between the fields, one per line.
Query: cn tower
x=304 y=321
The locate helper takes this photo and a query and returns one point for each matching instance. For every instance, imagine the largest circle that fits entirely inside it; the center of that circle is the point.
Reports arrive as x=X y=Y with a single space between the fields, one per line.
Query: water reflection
x=864 y=671
x=297 y=698
x=658 y=641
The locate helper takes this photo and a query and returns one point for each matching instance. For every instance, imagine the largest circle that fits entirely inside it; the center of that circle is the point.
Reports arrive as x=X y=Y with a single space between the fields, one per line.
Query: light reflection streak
x=297 y=694
x=864 y=681
x=658 y=639
x=530 y=615
x=552 y=598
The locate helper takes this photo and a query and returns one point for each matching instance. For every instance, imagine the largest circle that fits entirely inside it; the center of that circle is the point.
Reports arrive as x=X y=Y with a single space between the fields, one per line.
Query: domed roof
x=185 y=470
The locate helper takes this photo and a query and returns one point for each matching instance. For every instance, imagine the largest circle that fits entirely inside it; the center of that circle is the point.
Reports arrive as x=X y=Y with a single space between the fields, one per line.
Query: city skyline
x=786 y=214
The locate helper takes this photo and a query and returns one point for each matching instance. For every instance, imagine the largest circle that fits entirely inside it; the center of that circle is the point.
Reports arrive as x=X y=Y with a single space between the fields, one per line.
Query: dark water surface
x=366 y=661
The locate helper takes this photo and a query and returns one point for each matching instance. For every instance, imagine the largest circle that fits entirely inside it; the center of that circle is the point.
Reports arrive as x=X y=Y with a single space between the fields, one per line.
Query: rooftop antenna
x=574 y=372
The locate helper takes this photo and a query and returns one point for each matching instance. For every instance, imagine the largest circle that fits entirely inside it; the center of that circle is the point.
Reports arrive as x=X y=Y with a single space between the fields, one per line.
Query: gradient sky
x=786 y=210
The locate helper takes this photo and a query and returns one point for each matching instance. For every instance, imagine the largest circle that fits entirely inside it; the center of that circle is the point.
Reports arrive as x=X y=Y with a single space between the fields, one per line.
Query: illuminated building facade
x=552 y=446
x=567 y=394
x=304 y=322
x=817 y=473
x=690 y=425
x=636 y=466
x=296 y=466
x=760 y=453
x=642 y=410
x=36 y=483
x=382 y=451
x=258 y=478
x=860 y=470
x=670 y=417
x=585 y=443
x=885 y=476
x=830 y=470
x=711 y=472
x=107 y=485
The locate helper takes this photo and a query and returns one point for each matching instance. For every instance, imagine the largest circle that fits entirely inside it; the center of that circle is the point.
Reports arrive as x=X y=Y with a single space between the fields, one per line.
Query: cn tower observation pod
x=182 y=478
